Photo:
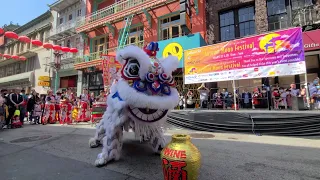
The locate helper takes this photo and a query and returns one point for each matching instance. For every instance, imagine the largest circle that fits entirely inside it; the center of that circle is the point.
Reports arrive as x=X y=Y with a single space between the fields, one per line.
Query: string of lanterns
x=35 y=42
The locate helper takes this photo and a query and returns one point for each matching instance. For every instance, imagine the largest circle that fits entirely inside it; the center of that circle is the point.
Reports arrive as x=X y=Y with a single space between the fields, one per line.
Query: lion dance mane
x=141 y=100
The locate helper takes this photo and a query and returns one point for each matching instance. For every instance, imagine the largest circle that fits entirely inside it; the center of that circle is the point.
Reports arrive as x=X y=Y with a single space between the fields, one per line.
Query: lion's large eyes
x=130 y=70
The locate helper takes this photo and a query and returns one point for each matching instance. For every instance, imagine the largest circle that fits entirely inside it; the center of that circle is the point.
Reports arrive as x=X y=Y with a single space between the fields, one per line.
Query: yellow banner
x=43 y=83
x=44 y=78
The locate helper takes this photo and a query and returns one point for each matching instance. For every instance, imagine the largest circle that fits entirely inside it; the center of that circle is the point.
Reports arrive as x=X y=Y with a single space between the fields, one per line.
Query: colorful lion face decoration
x=141 y=100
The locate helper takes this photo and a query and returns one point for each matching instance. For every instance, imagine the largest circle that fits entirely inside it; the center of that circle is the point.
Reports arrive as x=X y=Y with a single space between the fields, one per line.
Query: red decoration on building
x=15 y=57
x=36 y=42
x=56 y=47
x=7 y=56
x=22 y=58
x=65 y=49
x=24 y=39
x=12 y=35
x=47 y=45
x=1 y=31
x=73 y=50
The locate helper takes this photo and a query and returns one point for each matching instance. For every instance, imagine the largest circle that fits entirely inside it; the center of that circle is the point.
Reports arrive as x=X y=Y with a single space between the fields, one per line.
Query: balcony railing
x=305 y=16
x=96 y=55
x=121 y=8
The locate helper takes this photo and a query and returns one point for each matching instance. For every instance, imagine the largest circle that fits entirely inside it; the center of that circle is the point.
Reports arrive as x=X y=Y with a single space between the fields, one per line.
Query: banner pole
x=234 y=94
x=307 y=89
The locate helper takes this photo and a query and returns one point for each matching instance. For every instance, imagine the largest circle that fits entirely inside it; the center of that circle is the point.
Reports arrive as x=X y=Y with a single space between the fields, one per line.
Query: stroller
x=16 y=120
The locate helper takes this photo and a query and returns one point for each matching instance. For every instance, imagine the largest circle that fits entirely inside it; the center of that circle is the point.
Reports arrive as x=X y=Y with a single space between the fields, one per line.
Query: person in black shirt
x=14 y=101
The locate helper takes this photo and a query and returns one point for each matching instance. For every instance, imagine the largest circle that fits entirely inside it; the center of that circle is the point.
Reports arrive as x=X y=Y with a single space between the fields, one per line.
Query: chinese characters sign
x=109 y=68
x=275 y=54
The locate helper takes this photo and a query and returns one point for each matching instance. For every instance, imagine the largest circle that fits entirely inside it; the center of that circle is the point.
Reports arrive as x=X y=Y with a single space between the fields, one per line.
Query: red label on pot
x=179 y=154
x=173 y=170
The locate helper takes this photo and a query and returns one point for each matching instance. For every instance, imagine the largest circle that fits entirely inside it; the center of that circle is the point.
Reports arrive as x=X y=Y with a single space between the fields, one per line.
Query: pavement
x=62 y=152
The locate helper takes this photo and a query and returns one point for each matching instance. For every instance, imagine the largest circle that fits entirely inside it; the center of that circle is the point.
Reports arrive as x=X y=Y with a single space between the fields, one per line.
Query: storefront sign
x=311 y=40
x=44 y=84
x=44 y=78
x=176 y=46
x=275 y=54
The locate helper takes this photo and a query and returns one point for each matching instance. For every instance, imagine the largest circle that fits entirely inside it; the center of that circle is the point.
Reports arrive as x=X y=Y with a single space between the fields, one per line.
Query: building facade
x=68 y=12
x=229 y=20
x=26 y=74
x=110 y=24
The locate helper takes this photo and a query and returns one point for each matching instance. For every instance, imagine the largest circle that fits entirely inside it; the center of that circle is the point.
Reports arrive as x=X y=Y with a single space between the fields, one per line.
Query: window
x=2 y=72
x=70 y=17
x=61 y=21
x=170 y=27
x=303 y=12
x=31 y=62
x=10 y=69
x=237 y=23
x=79 y=12
x=299 y=4
x=68 y=43
x=18 y=47
x=100 y=44
x=135 y=35
x=22 y=47
x=41 y=36
x=277 y=14
x=96 y=79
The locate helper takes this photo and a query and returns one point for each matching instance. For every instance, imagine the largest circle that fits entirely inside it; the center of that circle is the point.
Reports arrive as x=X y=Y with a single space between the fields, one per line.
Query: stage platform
x=285 y=123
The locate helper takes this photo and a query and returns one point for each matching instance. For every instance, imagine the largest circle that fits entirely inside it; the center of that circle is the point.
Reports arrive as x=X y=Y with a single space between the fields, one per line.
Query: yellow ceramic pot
x=180 y=159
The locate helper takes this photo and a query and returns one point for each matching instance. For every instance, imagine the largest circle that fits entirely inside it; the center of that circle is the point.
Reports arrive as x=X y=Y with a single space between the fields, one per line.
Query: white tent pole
x=234 y=94
x=307 y=89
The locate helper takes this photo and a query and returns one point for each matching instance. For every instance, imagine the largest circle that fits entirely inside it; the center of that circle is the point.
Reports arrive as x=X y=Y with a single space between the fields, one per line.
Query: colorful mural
x=177 y=46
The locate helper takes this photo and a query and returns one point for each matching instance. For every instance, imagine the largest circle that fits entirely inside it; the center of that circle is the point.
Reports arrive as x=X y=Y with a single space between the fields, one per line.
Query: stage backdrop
x=274 y=54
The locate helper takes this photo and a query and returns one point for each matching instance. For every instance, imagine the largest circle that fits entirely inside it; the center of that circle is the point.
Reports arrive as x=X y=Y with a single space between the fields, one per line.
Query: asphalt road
x=62 y=153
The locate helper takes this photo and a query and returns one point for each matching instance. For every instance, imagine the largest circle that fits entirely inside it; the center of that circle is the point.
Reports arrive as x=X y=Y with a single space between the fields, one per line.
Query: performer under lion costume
x=140 y=100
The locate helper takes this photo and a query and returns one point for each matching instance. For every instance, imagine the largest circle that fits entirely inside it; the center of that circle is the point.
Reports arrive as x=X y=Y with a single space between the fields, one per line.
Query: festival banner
x=278 y=53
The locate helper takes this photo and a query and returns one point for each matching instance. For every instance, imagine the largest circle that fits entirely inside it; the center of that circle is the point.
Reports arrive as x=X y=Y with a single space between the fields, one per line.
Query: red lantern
x=15 y=57
x=22 y=58
x=7 y=56
x=10 y=34
x=73 y=50
x=36 y=42
x=47 y=45
x=1 y=31
x=24 y=39
x=56 y=47
x=65 y=49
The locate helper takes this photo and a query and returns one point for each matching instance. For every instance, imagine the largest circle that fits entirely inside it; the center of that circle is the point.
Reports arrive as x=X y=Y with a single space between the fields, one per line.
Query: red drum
x=98 y=109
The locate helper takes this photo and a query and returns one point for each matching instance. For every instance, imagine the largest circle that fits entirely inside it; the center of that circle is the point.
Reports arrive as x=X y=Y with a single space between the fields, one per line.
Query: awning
x=88 y=64
x=15 y=80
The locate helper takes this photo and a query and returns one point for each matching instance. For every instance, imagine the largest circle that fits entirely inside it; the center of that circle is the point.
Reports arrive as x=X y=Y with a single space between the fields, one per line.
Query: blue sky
x=22 y=11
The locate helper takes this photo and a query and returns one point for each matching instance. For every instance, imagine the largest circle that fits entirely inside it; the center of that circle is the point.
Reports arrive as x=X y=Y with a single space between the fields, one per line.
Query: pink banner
x=274 y=54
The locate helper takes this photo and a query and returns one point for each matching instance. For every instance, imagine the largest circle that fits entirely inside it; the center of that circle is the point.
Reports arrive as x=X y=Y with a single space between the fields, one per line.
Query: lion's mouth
x=146 y=114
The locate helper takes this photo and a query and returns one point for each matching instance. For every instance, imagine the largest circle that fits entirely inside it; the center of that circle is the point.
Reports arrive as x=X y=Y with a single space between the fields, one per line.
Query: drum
x=98 y=108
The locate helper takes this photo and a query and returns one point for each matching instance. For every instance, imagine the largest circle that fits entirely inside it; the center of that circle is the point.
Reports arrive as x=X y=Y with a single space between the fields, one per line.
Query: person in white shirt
x=204 y=95
x=293 y=90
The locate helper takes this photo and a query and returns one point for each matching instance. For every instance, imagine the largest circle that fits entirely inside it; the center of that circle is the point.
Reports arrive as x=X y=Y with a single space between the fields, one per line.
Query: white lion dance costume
x=140 y=99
